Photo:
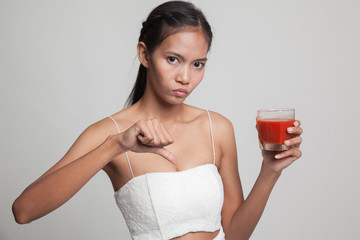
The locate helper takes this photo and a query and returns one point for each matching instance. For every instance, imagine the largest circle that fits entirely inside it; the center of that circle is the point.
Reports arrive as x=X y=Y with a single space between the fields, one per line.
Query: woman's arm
x=239 y=216
x=85 y=158
x=248 y=214
x=88 y=155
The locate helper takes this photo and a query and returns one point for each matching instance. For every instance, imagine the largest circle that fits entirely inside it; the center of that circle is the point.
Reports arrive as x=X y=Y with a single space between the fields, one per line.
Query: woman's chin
x=174 y=100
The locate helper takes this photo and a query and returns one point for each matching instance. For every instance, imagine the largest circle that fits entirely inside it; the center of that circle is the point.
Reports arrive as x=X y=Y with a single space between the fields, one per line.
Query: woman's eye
x=198 y=65
x=172 y=59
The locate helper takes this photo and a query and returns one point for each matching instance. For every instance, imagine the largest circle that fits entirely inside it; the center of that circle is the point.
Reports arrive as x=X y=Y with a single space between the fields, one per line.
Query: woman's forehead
x=191 y=43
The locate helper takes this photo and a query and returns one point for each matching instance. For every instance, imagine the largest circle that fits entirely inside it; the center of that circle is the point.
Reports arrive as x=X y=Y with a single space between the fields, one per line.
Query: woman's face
x=177 y=66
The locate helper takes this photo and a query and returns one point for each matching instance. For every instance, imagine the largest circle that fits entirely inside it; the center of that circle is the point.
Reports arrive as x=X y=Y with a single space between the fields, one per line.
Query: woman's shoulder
x=98 y=131
x=94 y=135
x=201 y=112
x=215 y=116
x=108 y=125
x=219 y=122
x=219 y=118
x=221 y=125
x=123 y=119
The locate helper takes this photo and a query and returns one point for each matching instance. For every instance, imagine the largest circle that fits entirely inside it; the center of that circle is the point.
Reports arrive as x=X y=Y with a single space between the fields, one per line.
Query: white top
x=165 y=205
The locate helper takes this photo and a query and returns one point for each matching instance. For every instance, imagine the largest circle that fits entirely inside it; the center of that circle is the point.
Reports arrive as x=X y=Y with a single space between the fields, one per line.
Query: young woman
x=173 y=166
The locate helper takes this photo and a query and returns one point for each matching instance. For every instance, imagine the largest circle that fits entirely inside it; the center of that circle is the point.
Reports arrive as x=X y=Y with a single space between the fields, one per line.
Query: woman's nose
x=183 y=76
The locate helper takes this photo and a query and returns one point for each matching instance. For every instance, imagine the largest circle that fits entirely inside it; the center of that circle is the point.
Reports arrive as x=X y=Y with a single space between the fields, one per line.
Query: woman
x=173 y=166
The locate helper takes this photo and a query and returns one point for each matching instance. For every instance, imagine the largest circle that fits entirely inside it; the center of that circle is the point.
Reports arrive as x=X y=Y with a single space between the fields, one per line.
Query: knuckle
x=300 y=153
x=293 y=151
x=163 y=142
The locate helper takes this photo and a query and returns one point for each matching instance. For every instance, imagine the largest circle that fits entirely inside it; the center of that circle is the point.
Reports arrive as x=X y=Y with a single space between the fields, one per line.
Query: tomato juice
x=274 y=130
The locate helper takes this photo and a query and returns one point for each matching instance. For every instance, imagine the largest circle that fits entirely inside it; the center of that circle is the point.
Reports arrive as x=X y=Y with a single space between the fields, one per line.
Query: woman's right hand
x=147 y=136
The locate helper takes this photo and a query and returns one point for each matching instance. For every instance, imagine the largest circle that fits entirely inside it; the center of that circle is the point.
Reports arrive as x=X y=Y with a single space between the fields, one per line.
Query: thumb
x=164 y=153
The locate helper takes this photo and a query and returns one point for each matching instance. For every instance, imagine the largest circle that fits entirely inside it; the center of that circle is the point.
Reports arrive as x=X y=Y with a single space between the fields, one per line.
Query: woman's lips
x=180 y=92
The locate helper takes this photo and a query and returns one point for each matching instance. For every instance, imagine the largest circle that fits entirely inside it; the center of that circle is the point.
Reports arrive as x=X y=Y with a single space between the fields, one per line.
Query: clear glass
x=272 y=127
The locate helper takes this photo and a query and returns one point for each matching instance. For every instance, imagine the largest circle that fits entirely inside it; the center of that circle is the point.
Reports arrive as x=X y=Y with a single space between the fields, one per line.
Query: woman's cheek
x=199 y=77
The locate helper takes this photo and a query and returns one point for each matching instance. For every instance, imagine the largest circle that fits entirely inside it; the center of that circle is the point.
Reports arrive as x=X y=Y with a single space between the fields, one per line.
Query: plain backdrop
x=67 y=64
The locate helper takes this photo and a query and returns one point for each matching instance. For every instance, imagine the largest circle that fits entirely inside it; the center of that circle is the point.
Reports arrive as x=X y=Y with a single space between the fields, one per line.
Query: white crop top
x=165 y=205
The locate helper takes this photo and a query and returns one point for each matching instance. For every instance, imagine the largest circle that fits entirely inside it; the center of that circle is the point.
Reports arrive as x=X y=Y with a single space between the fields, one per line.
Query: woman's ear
x=143 y=54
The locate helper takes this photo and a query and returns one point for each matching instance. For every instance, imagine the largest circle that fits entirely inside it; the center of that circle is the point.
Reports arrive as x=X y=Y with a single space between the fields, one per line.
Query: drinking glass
x=272 y=127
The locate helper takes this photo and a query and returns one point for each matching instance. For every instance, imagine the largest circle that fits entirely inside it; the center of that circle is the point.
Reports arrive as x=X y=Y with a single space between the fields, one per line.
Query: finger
x=269 y=154
x=293 y=153
x=297 y=123
x=164 y=153
x=155 y=141
x=145 y=135
x=167 y=135
x=287 y=161
x=160 y=133
x=295 y=130
x=293 y=141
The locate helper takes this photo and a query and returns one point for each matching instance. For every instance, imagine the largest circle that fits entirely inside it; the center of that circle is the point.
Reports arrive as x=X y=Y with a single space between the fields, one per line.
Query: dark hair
x=166 y=19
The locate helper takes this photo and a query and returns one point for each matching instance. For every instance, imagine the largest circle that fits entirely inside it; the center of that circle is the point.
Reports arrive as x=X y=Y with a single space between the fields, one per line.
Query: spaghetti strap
x=212 y=135
x=127 y=157
x=117 y=126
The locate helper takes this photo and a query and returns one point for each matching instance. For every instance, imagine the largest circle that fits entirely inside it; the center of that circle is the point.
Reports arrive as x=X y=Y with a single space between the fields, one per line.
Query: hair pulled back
x=166 y=19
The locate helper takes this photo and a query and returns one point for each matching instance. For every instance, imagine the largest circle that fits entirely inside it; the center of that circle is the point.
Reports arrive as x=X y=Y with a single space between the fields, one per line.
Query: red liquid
x=274 y=130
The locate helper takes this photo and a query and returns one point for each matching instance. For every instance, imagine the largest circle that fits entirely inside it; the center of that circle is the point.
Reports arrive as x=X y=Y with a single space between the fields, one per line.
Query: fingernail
x=296 y=124
x=290 y=129
x=287 y=142
x=277 y=156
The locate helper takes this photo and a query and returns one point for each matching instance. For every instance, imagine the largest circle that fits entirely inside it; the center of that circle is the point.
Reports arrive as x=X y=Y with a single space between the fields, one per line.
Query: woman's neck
x=150 y=108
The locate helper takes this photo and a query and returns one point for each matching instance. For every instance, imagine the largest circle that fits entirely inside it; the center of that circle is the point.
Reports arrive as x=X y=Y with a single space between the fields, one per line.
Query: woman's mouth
x=180 y=92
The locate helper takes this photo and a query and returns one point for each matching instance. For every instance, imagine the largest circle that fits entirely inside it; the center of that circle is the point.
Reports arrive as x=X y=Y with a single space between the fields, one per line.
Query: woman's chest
x=192 y=147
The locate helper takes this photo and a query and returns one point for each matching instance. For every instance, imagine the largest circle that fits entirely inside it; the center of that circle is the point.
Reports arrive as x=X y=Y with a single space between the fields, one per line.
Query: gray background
x=67 y=64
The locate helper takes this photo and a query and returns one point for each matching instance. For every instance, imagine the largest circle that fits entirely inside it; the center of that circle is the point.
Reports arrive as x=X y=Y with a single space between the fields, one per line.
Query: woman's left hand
x=277 y=161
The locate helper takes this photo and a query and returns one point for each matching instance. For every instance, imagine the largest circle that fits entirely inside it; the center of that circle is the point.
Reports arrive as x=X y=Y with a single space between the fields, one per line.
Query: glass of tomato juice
x=272 y=127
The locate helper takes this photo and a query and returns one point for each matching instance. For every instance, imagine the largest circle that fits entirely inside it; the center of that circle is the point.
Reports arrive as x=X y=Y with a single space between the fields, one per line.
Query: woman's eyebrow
x=176 y=54
x=182 y=58
x=202 y=59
